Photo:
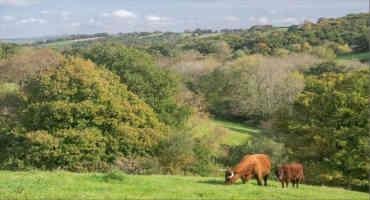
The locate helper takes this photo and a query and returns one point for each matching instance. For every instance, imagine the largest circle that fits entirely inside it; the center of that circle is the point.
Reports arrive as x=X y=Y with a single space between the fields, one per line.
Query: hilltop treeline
x=326 y=36
x=136 y=103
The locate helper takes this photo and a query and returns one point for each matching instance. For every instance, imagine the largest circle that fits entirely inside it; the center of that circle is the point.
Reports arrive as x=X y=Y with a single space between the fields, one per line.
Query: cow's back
x=293 y=171
x=296 y=170
x=260 y=162
x=263 y=164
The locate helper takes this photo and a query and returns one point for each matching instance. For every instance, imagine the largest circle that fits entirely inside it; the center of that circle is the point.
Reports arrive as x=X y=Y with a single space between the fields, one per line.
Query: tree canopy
x=79 y=117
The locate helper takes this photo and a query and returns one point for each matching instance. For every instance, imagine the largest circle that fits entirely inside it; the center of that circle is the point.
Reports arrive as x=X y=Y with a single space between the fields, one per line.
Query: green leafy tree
x=79 y=117
x=157 y=87
x=329 y=124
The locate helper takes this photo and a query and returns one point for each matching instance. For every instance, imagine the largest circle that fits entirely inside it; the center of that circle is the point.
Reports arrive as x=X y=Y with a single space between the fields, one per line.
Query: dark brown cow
x=290 y=173
x=257 y=165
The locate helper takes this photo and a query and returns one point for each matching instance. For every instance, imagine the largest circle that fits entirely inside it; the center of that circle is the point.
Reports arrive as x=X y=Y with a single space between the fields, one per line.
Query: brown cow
x=257 y=165
x=292 y=173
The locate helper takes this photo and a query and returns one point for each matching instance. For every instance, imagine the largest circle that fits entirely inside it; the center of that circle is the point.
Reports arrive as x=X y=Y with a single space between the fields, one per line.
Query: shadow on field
x=213 y=182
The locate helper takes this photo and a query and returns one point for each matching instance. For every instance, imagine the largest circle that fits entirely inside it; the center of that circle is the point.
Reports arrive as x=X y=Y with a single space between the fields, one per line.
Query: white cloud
x=65 y=14
x=18 y=2
x=263 y=20
x=260 y=20
x=123 y=14
x=273 y=12
x=32 y=20
x=8 y=18
x=44 y=12
x=289 y=20
x=153 y=18
x=106 y=14
x=232 y=18
x=75 y=24
x=92 y=21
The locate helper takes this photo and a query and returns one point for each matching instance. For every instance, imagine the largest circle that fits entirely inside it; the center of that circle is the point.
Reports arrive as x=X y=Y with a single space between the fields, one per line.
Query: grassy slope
x=355 y=56
x=66 y=185
x=237 y=133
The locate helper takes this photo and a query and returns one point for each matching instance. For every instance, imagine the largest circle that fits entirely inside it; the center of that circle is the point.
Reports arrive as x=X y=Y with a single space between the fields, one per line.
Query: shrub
x=281 y=52
x=186 y=152
x=114 y=175
x=324 y=52
x=139 y=164
x=79 y=117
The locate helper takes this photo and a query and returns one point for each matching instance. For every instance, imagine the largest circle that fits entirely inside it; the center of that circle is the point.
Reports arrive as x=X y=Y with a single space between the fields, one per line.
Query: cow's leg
x=297 y=184
x=282 y=184
x=259 y=179
x=265 y=179
x=286 y=183
x=244 y=179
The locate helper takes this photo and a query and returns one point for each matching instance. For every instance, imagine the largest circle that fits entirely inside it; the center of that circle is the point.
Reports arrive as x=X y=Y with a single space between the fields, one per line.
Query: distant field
x=356 y=56
x=65 y=185
x=59 y=44
x=237 y=127
x=237 y=133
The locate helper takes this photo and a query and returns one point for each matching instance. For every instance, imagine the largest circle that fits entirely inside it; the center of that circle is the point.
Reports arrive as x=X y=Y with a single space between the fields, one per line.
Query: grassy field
x=237 y=133
x=355 y=56
x=66 y=185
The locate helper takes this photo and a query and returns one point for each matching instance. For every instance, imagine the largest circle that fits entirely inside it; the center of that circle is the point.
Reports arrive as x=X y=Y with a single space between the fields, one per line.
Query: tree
x=329 y=124
x=79 y=117
x=251 y=87
x=156 y=86
x=27 y=62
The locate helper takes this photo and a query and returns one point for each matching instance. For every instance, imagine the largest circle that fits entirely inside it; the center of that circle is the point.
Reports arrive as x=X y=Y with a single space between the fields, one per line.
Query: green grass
x=239 y=132
x=65 y=185
x=355 y=56
x=238 y=127
x=236 y=133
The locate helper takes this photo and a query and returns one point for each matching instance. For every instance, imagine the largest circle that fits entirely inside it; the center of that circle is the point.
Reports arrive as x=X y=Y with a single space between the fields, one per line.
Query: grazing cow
x=292 y=173
x=257 y=165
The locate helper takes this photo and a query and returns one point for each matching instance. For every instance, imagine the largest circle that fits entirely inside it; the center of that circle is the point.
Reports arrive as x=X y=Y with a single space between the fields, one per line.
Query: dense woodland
x=135 y=101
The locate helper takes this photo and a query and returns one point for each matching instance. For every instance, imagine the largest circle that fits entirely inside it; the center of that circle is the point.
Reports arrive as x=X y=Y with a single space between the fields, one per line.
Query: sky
x=34 y=18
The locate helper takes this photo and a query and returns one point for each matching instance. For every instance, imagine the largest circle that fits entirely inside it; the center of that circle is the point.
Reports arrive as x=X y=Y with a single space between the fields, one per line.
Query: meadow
x=116 y=185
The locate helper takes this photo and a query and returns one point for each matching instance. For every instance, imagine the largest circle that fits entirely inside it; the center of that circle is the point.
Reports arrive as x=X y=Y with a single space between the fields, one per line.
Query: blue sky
x=30 y=18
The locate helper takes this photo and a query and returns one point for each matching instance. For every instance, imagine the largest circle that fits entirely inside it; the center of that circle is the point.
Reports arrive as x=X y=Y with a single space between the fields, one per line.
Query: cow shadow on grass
x=212 y=182
x=222 y=182
x=218 y=182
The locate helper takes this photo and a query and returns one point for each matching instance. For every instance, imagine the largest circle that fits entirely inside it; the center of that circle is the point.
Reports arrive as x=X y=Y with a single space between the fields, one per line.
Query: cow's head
x=230 y=176
x=279 y=172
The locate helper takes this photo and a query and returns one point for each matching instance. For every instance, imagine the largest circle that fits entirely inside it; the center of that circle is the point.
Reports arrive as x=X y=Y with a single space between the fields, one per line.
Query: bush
x=114 y=175
x=139 y=165
x=281 y=52
x=324 y=52
x=184 y=152
x=79 y=117
x=76 y=150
